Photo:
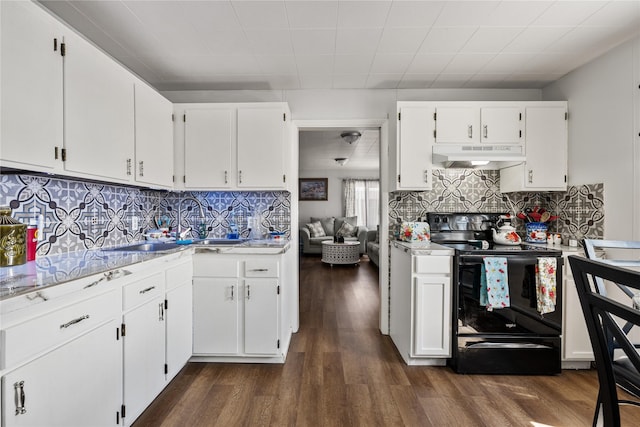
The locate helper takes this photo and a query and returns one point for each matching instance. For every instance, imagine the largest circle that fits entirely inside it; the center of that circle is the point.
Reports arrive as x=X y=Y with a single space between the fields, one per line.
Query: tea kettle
x=506 y=233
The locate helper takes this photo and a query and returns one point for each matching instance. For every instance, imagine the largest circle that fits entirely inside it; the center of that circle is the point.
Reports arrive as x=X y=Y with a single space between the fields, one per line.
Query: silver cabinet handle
x=129 y=167
x=240 y=177
x=19 y=397
x=144 y=291
x=226 y=179
x=141 y=168
x=161 y=311
x=74 y=321
x=109 y=275
x=530 y=176
x=426 y=175
x=259 y=269
x=470 y=131
x=485 y=130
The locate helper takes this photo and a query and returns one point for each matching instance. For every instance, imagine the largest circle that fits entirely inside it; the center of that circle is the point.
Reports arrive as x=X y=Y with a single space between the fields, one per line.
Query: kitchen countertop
x=424 y=248
x=53 y=270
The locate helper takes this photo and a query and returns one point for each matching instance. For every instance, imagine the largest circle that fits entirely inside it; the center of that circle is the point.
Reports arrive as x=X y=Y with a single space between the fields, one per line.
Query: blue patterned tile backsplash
x=580 y=208
x=80 y=215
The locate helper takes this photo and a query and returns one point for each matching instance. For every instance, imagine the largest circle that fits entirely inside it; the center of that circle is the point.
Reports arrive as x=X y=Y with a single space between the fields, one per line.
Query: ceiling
x=320 y=148
x=286 y=45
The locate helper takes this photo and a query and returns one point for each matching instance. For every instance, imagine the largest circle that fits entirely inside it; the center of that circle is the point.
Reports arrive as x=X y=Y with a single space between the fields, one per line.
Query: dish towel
x=494 y=285
x=546 y=285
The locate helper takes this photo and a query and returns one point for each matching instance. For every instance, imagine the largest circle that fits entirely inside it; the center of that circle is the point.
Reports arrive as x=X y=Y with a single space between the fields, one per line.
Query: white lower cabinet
x=577 y=352
x=420 y=323
x=77 y=384
x=236 y=308
x=143 y=337
x=178 y=317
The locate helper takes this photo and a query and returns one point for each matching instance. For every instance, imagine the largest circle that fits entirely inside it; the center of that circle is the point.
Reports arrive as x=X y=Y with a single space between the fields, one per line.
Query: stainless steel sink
x=219 y=242
x=146 y=247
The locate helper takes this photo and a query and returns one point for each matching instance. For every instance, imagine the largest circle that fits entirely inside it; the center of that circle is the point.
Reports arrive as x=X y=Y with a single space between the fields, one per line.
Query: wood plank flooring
x=341 y=371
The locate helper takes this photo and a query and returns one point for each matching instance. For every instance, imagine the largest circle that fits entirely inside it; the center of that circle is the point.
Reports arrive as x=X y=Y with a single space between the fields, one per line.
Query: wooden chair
x=593 y=250
x=600 y=314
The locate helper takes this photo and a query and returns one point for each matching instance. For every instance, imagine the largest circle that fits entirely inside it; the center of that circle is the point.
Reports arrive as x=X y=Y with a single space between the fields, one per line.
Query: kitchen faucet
x=202 y=216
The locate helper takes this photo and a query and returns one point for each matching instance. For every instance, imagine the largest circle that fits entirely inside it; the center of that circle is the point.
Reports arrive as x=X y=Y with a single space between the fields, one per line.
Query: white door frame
x=383 y=125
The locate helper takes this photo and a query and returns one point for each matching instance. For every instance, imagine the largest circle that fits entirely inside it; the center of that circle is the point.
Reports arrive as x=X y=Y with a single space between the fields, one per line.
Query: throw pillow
x=315 y=229
x=353 y=220
x=346 y=230
x=327 y=224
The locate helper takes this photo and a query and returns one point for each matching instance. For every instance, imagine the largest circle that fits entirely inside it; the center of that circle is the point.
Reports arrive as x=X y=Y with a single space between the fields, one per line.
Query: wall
x=580 y=208
x=603 y=132
x=334 y=206
x=81 y=215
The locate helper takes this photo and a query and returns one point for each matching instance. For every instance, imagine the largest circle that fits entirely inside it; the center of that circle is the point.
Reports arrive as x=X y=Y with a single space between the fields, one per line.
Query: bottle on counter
x=32 y=240
x=13 y=234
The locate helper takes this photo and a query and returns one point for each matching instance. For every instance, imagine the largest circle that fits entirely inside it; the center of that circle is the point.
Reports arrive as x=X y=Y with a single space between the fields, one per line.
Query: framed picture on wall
x=313 y=188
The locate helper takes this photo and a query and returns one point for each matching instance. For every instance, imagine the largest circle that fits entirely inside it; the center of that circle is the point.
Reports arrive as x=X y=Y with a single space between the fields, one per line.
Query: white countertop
x=54 y=270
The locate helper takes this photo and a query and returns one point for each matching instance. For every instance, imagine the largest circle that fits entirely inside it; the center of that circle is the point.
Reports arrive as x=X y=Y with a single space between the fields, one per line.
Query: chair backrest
x=592 y=247
x=600 y=314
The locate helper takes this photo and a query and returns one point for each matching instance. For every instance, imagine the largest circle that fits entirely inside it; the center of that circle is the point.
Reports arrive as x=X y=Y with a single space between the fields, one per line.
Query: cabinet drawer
x=38 y=334
x=432 y=264
x=214 y=266
x=261 y=268
x=179 y=274
x=143 y=290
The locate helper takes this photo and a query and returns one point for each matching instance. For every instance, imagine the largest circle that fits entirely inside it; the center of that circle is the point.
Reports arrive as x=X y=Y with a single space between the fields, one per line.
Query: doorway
x=383 y=132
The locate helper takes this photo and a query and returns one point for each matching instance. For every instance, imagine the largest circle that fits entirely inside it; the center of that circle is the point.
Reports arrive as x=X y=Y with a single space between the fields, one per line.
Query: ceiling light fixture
x=350 y=136
x=341 y=160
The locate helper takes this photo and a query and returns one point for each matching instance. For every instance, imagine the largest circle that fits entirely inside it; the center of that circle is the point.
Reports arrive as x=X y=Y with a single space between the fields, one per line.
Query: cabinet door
x=575 y=336
x=416 y=126
x=31 y=95
x=179 y=318
x=501 y=125
x=215 y=316
x=458 y=125
x=153 y=137
x=432 y=334
x=144 y=356
x=261 y=314
x=209 y=136
x=78 y=384
x=261 y=147
x=99 y=113
x=546 y=148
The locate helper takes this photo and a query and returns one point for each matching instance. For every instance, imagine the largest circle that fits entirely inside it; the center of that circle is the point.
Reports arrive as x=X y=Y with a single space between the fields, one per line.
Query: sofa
x=373 y=247
x=318 y=230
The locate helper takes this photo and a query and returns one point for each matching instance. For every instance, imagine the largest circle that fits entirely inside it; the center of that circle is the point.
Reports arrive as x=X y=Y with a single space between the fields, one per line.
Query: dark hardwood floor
x=341 y=371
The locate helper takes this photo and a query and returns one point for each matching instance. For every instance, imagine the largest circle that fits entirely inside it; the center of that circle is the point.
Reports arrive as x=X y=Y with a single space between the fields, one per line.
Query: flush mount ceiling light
x=350 y=136
x=341 y=160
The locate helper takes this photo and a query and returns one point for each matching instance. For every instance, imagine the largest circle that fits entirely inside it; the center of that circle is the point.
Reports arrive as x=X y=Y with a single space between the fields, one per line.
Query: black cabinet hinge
x=64 y=154
x=278 y=290
x=284 y=178
x=284 y=117
x=173 y=117
x=184 y=179
x=55 y=44
x=166 y=369
x=434 y=133
x=117 y=334
x=184 y=118
x=398 y=116
x=278 y=344
x=565 y=178
x=55 y=153
x=434 y=116
x=122 y=411
x=566 y=116
x=166 y=304
x=520 y=116
x=173 y=178
x=117 y=417
x=123 y=332
x=520 y=132
x=63 y=49
x=398 y=177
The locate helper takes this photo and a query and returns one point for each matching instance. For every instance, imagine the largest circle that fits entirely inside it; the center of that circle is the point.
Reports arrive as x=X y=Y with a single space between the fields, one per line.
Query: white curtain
x=362 y=199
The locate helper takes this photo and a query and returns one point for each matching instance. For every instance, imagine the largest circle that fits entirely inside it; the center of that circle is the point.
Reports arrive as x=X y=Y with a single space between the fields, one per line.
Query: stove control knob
x=436 y=219
x=445 y=219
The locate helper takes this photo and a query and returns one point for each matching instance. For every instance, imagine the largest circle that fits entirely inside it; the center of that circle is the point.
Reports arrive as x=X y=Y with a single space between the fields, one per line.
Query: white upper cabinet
x=99 y=113
x=31 y=96
x=468 y=124
x=232 y=146
x=153 y=137
x=209 y=136
x=546 y=150
x=501 y=125
x=261 y=146
x=457 y=124
x=415 y=136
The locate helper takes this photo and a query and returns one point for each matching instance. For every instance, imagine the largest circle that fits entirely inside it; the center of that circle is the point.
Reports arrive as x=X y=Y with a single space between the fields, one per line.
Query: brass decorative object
x=13 y=242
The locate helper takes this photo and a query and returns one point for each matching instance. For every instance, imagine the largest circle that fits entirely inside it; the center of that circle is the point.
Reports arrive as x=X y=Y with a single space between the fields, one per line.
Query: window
x=362 y=199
